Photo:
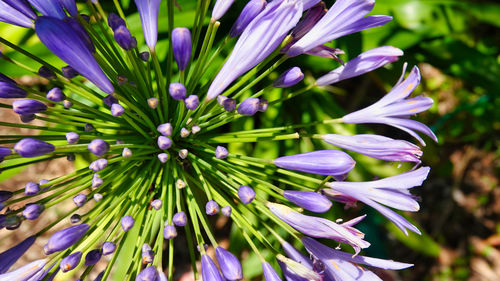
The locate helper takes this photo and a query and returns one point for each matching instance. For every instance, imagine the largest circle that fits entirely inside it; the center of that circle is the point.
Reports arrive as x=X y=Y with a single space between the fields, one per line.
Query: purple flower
x=391 y=191
x=88 y=127
x=82 y=33
x=22 y=6
x=11 y=91
x=31 y=188
x=96 y=181
x=69 y=72
x=49 y=8
x=295 y=271
x=181 y=44
x=24 y=273
x=63 y=239
x=108 y=248
x=144 y=56
x=98 y=165
x=124 y=38
x=295 y=255
x=326 y=52
x=5 y=195
x=68 y=45
x=28 y=106
x=394 y=109
x=72 y=137
x=309 y=20
x=211 y=208
x=229 y=264
x=221 y=152
x=209 y=271
x=250 y=11
x=33 y=211
x=70 y=262
x=229 y=104
x=321 y=162
x=177 y=91
x=248 y=107
x=308 y=200
x=93 y=257
x=169 y=232
x=263 y=105
x=156 y=204
x=75 y=218
x=220 y=8
x=364 y=63
x=98 y=147
x=80 y=200
x=320 y=227
x=46 y=72
x=164 y=142
x=163 y=157
x=165 y=129
x=109 y=100
x=55 y=95
x=246 y=194
x=10 y=256
x=192 y=102
x=180 y=219
x=127 y=223
x=148 y=10
x=29 y=147
x=289 y=78
x=148 y=274
x=114 y=21
x=269 y=272
x=70 y=6
x=378 y=147
x=147 y=255
x=97 y=196
x=262 y=36
x=344 y=17
x=226 y=211
x=10 y=14
x=117 y=109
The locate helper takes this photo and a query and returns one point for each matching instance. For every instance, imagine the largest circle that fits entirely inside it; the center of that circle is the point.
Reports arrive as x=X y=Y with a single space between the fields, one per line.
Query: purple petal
x=49 y=8
x=148 y=10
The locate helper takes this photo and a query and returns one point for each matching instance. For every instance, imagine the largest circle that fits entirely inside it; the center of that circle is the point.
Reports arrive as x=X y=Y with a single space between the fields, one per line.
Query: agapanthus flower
x=153 y=134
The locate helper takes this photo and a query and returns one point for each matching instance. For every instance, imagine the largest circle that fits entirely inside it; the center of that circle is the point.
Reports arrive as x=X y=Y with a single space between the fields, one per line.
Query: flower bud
x=183 y=153
x=289 y=78
x=11 y=91
x=65 y=238
x=181 y=45
x=98 y=165
x=29 y=147
x=246 y=194
x=75 y=218
x=96 y=181
x=180 y=219
x=220 y=8
x=269 y=272
x=46 y=72
x=28 y=106
x=165 y=129
x=148 y=256
x=117 y=109
x=153 y=103
x=26 y=118
x=108 y=248
x=88 y=127
x=67 y=104
x=321 y=162
x=180 y=184
x=93 y=257
x=127 y=223
x=124 y=38
x=10 y=256
x=229 y=104
x=209 y=270
x=31 y=188
x=98 y=147
x=33 y=211
x=169 y=232
x=211 y=208
x=221 y=99
x=148 y=274
x=156 y=204
x=71 y=157
x=249 y=12
x=98 y=197
x=226 y=211
x=69 y=72
x=184 y=133
x=80 y=200
x=70 y=262
x=177 y=91
x=127 y=152
x=5 y=195
x=72 y=137
x=25 y=272
x=308 y=200
x=164 y=142
x=263 y=105
x=221 y=152
x=12 y=222
x=229 y=264
x=109 y=100
x=163 y=157
x=144 y=56
x=195 y=129
x=249 y=106
x=114 y=21
x=192 y=102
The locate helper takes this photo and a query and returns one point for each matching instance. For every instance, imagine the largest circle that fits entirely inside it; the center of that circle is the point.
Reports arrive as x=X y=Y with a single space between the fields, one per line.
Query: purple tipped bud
x=148 y=11
x=109 y=100
x=321 y=162
x=124 y=38
x=108 y=248
x=289 y=78
x=114 y=21
x=11 y=91
x=56 y=95
x=98 y=147
x=93 y=257
x=31 y=188
x=263 y=105
x=226 y=211
x=96 y=181
x=251 y=10
x=67 y=104
x=220 y=8
x=65 y=238
x=169 y=232
x=249 y=106
x=164 y=142
x=163 y=157
x=177 y=91
x=269 y=272
x=184 y=133
x=153 y=103
x=181 y=44
x=229 y=264
x=29 y=147
x=308 y=200
x=180 y=219
x=75 y=218
x=5 y=195
x=80 y=200
x=127 y=223
x=148 y=274
x=70 y=262
x=246 y=194
x=46 y=72
x=72 y=137
x=33 y=211
x=144 y=56
x=127 y=152
x=183 y=153
x=97 y=196
x=211 y=208
x=221 y=99
x=146 y=248
x=117 y=109
x=221 y=152
x=209 y=270
x=69 y=72
x=156 y=204
x=28 y=106
x=192 y=102
x=195 y=129
x=10 y=256
x=88 y=127
x=165 y=129
x=229 y=104
x=147 y=256
x=98 y=165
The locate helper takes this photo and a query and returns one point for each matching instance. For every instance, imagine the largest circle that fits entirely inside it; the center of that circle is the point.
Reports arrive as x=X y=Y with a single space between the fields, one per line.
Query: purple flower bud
x=49 y=8
x=80 y=200
x=221 y=99
x=108 y=248
x=229 y=104
x=192 y=102
x=165 y=129
x=10 y=256
x=164 y=142
x=117 y=109
x=308 y=200
x=88 y=127
x=147 y=256
x=180 y=219
x=321 y=162
x=109 y=100
x=263 y=105
x=5 y=195
x=221 y=152
x=251 y=10
x=11 y=91
x=96 y=181
x=184 y=133
x=33 y=211
x=97 y=196
x=98 y=147
x=127 y=152
x=29 y=147
x=28 y=106
x=209 y=271
x=229 y=264
x=67 y=104
x=65 y=238
x=124 y=38
x=195 y=129
x=10 y=13
x=226 y=211
x=69 y=72
x=177 y=91
x=31 y=188
x=12 y=222
x=153 y=103
x=56 y=95
x=72 y=137
x=70 y=262
x=70 y=6
x=180 y=184
x=114 y=21
x=46 y=72
x=127 y=223
x=163 y=157
x=27 y=118
x=269 y=272
x=148 y=10
x=181 y=44
x=156 y=204
x=249 y=106
x=144 y=56
x=98 y=165
x=289 y=78
x=169 y=232
x=220 y=8
x=122 y=80
x=93 y=257
x=161 y=276
x=183 y=153
x=211 y=208
x=26 y=272
x=246 y=194
x=75 y=218
x=148 y=274
x=71 y=157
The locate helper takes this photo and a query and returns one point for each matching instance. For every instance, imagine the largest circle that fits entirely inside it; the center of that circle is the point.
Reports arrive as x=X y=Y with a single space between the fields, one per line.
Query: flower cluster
x=158 y=135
